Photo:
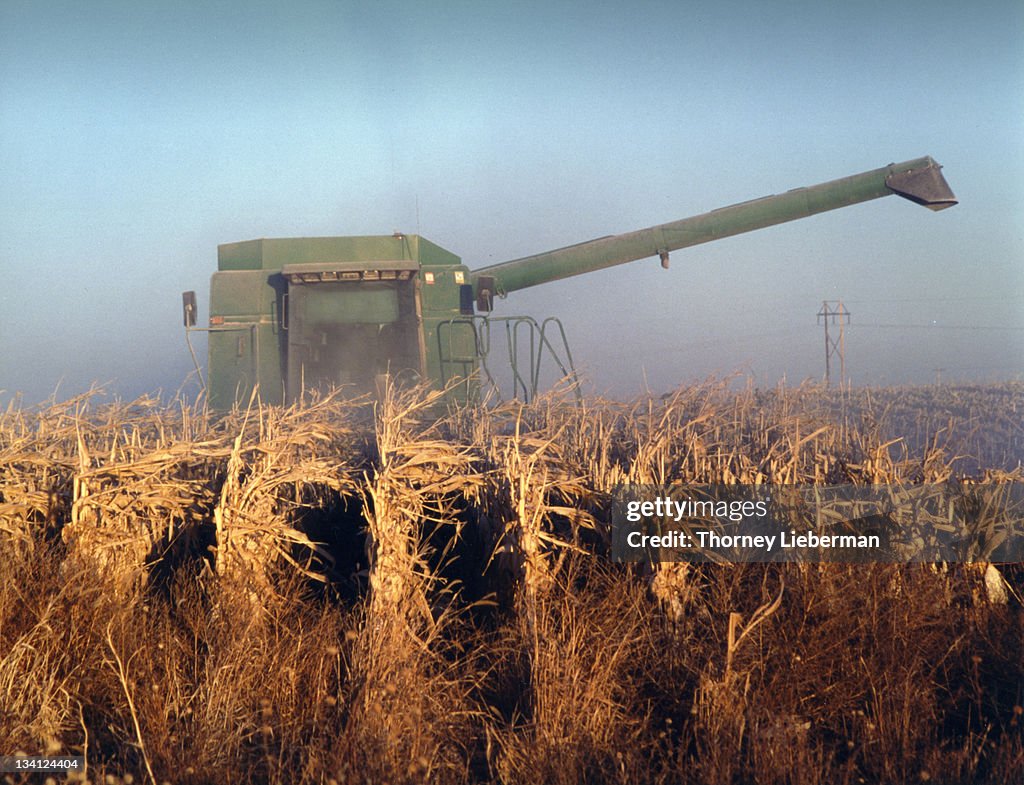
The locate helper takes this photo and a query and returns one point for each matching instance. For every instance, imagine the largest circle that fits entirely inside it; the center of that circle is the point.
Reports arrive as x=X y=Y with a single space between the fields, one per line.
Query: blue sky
x=136 y=137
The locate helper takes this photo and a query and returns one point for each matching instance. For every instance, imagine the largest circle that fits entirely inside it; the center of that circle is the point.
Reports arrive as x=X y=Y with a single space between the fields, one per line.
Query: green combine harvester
x=307 y=313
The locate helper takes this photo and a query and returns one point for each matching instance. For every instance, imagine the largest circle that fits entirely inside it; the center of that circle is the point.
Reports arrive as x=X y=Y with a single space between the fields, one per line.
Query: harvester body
x=317 y=312
x=290 y=315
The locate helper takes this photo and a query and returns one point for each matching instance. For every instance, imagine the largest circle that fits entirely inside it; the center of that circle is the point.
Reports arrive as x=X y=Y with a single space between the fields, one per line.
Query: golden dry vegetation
x=377 y=592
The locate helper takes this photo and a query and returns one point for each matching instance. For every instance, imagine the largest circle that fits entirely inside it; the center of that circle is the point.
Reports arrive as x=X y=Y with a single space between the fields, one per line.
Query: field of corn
x=388 y=592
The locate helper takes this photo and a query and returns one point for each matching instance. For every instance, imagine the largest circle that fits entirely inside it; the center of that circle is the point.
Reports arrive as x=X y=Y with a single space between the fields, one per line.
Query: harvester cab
x=291 y=315
x=321 y=312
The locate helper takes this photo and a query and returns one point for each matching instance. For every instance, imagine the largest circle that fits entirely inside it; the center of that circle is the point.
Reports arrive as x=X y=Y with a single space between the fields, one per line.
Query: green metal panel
x=246 y=340
x=429 y=254
x=240 y=256
x=450 y=348
x=346 y=303
x=273 y=254
x=241 y=356
x=244 y=293
x=439 y=289
x=452 y=354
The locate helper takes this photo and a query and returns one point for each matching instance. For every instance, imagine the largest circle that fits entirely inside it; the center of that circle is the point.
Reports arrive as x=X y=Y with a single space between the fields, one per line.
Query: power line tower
x=831 y=310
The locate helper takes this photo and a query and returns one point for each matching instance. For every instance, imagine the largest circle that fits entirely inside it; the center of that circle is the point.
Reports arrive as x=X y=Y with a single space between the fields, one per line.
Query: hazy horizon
x=138 y=137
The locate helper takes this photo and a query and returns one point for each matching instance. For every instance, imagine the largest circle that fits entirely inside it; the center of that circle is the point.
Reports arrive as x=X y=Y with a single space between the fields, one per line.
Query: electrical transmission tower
x=834 y=345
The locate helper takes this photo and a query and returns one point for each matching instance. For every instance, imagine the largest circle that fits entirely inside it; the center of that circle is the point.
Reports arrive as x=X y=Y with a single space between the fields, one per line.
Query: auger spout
x=919 y=181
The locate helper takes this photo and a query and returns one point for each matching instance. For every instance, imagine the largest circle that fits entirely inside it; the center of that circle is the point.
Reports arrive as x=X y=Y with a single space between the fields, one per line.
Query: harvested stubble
x=233 y=668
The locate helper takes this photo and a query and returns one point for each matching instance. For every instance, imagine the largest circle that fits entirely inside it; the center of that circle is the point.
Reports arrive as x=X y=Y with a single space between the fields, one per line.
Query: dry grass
x=358 y=591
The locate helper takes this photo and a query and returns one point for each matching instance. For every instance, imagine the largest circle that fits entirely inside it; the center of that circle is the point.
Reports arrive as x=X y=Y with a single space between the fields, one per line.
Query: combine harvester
x=318 y=312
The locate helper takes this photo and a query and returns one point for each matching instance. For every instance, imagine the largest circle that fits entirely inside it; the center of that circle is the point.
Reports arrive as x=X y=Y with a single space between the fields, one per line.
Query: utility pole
x=830 y=311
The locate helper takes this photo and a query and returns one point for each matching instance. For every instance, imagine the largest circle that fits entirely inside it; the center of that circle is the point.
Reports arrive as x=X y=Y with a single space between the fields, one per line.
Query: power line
x=939 y=300
x=940 y=327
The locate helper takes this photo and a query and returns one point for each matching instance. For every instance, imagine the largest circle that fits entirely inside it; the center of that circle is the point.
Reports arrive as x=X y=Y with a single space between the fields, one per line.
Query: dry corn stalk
x=415 y=483
x=530 y=486
x=128 y=501
x=296 y=454
x=527 y=486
